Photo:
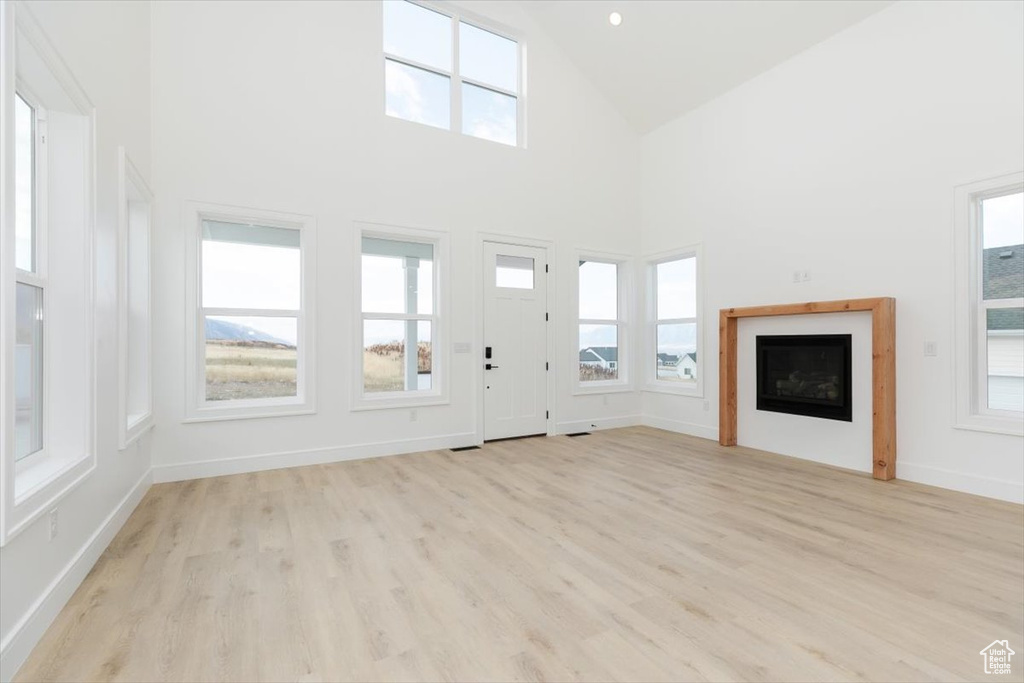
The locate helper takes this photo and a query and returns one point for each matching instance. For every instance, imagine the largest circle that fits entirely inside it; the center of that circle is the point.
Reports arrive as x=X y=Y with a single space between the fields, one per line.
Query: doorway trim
x=478 y=325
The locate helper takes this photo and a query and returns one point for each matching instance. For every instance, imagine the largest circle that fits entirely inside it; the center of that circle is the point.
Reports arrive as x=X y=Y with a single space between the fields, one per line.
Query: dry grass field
x=247 y=370
x=595 y=373
x=384 y=366
x=237 y=370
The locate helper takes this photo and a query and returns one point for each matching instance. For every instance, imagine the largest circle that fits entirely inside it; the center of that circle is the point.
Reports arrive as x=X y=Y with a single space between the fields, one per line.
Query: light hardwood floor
x=631 y=554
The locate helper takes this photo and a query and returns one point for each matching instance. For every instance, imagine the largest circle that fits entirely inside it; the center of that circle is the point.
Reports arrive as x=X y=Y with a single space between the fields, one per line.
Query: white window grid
x=455 y=79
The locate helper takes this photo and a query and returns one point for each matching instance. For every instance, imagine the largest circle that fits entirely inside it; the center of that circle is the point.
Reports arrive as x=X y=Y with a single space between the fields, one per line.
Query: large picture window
x=674 y=323
x=602 y=326
x=990 y=225
x=399 y=322
x=253 y=325
x=478 y=94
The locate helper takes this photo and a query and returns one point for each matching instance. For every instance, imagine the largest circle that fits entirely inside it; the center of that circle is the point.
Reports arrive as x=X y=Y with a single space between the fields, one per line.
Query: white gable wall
x=842 y=161
x=279 y=106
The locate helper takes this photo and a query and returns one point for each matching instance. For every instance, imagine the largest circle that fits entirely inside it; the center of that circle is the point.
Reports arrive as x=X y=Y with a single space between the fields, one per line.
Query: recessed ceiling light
x=614 y=18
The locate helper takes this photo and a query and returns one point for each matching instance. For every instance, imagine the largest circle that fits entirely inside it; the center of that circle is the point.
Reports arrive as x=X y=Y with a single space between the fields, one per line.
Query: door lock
x=490 y=367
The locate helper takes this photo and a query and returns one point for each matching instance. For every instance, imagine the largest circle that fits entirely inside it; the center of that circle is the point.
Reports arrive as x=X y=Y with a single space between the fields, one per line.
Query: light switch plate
x=463 y=347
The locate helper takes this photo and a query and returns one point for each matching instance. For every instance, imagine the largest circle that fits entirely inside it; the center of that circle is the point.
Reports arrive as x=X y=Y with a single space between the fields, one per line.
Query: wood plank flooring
x=631 y=554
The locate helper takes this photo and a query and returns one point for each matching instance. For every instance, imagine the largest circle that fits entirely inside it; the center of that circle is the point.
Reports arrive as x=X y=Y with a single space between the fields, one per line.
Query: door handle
x=490 y=367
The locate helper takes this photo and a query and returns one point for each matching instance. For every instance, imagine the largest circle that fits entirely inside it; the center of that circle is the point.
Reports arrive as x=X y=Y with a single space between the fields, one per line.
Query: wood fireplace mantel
x=883 y=369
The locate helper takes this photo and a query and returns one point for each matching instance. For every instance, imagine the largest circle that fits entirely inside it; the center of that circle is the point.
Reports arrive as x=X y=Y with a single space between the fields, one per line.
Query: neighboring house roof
x=1003 y=278
x=667 y=358
x=1003 y=272
x=1005 y=319
x=692 y=356
x=608 y=354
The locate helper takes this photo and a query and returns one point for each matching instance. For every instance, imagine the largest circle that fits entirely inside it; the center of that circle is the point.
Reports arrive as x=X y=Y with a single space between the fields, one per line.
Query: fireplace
x=805 y=375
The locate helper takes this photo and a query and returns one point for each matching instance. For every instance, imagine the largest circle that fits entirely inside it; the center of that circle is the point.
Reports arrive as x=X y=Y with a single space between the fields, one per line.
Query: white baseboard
x=960 y=481
x=200 y=469
x=691 y=428
x=575 y=426
x=25 y=634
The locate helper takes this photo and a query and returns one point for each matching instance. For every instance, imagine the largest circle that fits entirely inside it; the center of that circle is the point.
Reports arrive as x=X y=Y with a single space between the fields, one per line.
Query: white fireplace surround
x=843 y=444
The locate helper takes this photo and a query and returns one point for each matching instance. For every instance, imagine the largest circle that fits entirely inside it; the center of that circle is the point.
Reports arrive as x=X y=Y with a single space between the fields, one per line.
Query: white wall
x=106 y=45
x=842 y=161
x=279 y=106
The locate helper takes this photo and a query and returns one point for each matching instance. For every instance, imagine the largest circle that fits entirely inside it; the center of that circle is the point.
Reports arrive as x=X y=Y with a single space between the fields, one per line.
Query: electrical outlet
x=605 y=399
x=931 y=348
x=53 y=524
x=805 y=275
x=412 y=416
x=707 y=406
x=796 y=276
x=463 y=347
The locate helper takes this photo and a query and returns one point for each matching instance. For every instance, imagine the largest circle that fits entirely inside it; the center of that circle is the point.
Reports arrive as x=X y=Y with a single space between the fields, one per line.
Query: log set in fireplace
x=805 y=375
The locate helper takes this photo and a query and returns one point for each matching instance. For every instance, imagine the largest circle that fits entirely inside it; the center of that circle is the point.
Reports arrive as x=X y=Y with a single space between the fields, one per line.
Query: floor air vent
x=579 y=434
x=464 y=448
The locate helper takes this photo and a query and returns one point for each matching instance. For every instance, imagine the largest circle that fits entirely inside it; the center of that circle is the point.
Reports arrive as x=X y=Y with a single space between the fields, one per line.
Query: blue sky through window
x=423 y=36
x=1003 y=221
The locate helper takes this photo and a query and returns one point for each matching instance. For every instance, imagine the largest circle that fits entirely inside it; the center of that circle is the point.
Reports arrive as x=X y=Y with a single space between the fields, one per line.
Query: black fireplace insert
x=805 y=375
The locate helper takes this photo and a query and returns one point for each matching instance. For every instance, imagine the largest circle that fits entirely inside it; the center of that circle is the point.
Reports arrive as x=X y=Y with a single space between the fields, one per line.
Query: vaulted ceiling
x=670 y=56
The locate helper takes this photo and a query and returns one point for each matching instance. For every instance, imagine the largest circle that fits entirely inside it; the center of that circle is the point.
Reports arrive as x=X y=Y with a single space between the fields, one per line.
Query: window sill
x=136 y=430
x=39 y=486
x=221 y=414
x=596 y=389
x=692 y=390
x=34 y=478
x=992 y=425
x=363 y=404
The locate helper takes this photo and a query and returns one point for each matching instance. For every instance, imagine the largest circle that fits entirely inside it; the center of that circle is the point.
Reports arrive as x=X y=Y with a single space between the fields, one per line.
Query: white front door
x=515 y=341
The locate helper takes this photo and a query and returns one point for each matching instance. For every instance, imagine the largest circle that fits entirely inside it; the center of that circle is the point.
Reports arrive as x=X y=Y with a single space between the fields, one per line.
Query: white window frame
x=438 y=393
x=650 y=357
x=970 y=310
x=31 y=486
x=197 y=408
x=624 y=292
x=131 y=184
x=455 y=79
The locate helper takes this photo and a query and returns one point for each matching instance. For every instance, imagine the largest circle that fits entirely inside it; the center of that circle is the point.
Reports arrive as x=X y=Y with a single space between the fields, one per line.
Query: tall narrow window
x=480 y=95
x=601 y=323
x=254 y=317
x=990 y=304
x=1001 y=307
x=31 y=284
x=134 y=303
x=674 y=322
x=47 y=273
x=398 y=316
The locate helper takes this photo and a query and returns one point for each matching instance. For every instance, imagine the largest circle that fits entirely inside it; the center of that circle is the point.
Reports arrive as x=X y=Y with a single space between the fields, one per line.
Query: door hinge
x=547 y=414
x=547 y=366
x=546 y=317
x=545 y=267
